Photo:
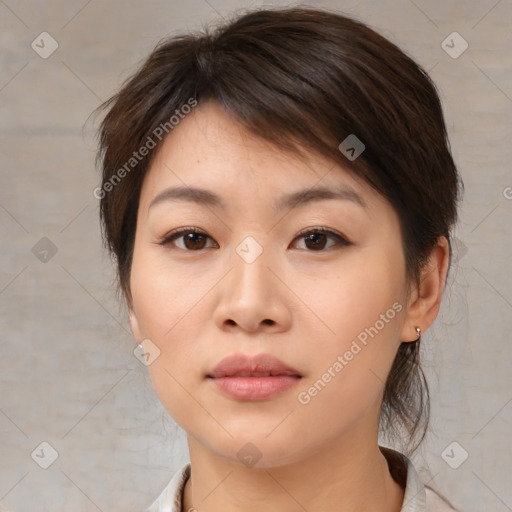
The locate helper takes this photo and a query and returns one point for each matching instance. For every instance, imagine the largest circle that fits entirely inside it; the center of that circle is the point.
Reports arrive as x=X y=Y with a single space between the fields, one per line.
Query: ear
x=134 y=324
x=425 y=299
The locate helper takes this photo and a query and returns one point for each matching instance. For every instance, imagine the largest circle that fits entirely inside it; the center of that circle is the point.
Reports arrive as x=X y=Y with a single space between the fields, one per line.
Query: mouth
x=254 y=378
x=261 y=365
x=255 y=374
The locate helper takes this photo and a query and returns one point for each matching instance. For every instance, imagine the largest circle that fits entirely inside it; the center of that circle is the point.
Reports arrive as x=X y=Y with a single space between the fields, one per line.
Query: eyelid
x=323 y=230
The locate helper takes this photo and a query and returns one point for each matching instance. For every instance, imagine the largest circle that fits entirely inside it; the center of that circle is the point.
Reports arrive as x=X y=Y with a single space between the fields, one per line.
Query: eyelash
x=180 y=232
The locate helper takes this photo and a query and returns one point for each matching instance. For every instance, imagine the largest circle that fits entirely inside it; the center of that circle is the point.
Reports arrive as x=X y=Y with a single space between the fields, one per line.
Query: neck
x=347 y=477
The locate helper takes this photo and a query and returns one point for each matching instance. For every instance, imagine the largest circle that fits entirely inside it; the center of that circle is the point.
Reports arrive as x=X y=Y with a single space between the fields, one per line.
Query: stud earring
x=418 y=330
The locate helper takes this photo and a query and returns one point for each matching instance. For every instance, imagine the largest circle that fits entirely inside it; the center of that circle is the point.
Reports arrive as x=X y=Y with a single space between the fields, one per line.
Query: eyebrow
x=299 y=198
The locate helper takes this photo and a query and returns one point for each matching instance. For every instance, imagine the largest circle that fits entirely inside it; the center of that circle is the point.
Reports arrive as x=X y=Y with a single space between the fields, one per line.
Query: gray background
x=68 y=374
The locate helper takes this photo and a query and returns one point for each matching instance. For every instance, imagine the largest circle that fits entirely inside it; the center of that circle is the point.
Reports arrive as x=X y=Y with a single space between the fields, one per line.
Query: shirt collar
x=404 y=472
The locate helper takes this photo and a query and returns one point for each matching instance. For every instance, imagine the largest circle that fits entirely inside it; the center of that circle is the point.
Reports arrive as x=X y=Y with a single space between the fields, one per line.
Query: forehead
x=210 y=149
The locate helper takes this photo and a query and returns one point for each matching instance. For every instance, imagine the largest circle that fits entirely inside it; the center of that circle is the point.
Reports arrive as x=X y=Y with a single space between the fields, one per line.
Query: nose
x=253 y=297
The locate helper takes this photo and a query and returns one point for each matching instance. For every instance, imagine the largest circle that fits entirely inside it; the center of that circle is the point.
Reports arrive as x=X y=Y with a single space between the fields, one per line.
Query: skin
x=199 y=306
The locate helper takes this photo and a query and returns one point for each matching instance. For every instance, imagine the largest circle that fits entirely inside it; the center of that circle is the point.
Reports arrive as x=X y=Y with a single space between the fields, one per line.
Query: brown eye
x=316 y=239
x=193 y=239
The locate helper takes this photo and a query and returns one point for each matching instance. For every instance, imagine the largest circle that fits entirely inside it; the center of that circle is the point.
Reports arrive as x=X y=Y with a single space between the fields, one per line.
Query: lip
x=253 y=378
x=238 y=364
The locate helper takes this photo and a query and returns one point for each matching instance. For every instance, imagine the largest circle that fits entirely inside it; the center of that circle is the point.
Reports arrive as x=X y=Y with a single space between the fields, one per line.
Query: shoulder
x=417 y=496
x=170 y=498
x=435 y=503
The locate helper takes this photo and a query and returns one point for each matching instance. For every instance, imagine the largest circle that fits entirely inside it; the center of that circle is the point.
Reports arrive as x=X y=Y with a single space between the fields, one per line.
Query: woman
x=279 y=194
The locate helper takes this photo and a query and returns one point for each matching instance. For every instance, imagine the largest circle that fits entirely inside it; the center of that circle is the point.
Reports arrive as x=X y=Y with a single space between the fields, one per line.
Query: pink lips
x=253 y=378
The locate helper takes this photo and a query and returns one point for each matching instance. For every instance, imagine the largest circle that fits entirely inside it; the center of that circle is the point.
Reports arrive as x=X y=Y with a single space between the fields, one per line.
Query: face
x=319 y=285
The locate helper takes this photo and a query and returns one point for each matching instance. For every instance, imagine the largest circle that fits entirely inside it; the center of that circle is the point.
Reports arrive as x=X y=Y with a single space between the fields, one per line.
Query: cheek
x=165 y=296
x=360 y=296
x=361 y=313
x=168 y=312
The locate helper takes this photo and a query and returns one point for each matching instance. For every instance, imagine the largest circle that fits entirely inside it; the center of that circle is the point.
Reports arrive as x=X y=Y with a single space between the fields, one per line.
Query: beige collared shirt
x=417 y=498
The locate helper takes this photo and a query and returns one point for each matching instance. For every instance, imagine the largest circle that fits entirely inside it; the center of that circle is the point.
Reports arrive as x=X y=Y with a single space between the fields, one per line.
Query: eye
x=193 y=239
x=315 y=238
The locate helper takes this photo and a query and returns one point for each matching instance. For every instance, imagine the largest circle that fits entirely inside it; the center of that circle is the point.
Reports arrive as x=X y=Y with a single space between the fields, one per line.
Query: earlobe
x=426 y=299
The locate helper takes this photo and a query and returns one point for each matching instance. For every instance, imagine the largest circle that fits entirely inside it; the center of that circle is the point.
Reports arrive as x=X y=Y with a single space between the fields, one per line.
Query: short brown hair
x=300 y=78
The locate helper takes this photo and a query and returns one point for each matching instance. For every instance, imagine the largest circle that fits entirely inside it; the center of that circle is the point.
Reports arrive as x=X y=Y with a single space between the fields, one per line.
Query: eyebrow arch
x=299 y=198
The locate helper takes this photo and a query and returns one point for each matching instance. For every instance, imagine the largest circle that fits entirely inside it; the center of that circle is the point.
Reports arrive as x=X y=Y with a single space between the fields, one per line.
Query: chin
x=253 y=447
